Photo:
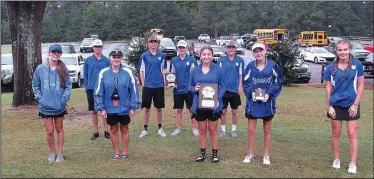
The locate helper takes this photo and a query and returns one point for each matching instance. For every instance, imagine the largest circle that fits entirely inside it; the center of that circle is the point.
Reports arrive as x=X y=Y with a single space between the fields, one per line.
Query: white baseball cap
x=258 y=45
x=97 y=42
x=182 y=43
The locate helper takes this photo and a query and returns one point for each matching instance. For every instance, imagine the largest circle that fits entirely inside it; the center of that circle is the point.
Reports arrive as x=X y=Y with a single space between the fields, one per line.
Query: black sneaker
x=201 y=158
x=95 y=136
x=215 y=159
x=106 y=134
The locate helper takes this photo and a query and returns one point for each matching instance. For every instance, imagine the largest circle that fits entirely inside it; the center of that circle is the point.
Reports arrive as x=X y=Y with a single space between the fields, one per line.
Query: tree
x=25 y=19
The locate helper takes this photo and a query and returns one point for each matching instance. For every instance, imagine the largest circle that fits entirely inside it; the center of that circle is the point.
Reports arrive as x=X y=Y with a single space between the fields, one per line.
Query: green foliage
x=283 y=54
x=136 y=47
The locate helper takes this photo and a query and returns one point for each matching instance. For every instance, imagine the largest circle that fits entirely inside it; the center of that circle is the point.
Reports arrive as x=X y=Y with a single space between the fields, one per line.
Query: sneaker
x=336 y=164
x=201 y=158
x=221 y=134
x=234 y=134
x=95 y=136
x=215 y=159
x=115 y=157
x=195 y=132
x=125 y=157
x=60 y=157
x=249 y=159
x=143 y=133
x=176 y=132
x=352 y=168
x=161 y=132
x=52 y=157
x=106 y=134
x=266 y=160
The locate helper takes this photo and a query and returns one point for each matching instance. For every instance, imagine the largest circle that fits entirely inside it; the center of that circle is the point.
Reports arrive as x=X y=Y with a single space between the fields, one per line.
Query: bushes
x=135 y=48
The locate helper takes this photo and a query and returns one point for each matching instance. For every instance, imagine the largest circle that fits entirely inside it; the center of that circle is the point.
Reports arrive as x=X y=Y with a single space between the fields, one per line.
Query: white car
x=317 y=55
x=358 y=52
x=240 y=41
x=75 y=68
x=223 y=40
x=86 y=45
x=203 y=37
x=7 y=70
x=218 y=52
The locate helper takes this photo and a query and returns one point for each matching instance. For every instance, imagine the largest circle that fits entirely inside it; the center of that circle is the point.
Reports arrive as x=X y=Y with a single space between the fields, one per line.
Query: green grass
x=6 y=49
x=300 y=145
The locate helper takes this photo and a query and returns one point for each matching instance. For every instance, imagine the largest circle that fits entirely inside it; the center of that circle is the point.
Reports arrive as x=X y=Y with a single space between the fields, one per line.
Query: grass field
x=6 y=49
x=300 y=145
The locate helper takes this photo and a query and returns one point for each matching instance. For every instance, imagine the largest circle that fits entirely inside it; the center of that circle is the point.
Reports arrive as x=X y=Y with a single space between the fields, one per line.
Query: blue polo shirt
x=182 y=68
x=344 y=89
x=152 y=66
x=232 y=70
x=91 y=69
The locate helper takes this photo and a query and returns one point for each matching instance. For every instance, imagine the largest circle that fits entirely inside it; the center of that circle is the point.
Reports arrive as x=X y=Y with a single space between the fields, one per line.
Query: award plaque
x=170 y=79
x=260 y=94
x=208 y=95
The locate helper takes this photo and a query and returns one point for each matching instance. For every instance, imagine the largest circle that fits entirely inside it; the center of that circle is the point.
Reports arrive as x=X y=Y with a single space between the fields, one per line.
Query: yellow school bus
x=158 y=32
x=270 y=36
x=313 y=38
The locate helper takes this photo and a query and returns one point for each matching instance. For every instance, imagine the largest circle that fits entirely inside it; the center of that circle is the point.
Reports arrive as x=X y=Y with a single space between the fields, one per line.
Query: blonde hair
x=342 y=42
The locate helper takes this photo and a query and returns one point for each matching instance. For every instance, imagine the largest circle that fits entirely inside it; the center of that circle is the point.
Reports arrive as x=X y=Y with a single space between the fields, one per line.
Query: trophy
x=170 y=79
x=259 y=94
x=208 y=96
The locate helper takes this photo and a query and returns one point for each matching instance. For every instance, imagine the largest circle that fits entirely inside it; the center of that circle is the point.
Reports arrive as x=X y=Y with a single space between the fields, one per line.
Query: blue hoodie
x=91 y=69
x=215 y=75
x=270 y=79
x=128 y=91
x=47 y=91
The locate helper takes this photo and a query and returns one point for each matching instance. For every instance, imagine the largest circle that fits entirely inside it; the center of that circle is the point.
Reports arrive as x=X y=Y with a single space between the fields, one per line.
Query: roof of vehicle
x=204 y=35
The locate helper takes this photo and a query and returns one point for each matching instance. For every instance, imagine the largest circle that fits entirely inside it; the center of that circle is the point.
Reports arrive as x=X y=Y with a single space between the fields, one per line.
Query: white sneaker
x=266 y=160
x=352 y=168
x=195 y=132
x=161 y=132
x=143 y=133
x=249 y=159
x=176 y=132
x=336 y=164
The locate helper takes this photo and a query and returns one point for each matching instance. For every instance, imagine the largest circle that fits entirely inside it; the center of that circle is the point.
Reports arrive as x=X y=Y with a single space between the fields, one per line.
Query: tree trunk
x=26 y=20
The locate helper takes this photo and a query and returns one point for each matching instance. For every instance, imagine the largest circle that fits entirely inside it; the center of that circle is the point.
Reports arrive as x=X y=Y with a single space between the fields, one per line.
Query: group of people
x=113 y=93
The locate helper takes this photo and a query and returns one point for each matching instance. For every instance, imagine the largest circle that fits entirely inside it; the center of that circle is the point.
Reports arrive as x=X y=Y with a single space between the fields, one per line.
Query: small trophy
x=208 y=96
x=170 y=79
x=259 y=94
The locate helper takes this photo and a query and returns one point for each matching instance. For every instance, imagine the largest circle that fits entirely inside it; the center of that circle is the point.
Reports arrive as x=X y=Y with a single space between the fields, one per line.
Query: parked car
x=246 y=60
x=234 y=36
x=247 y=43
x=203 y=37
x=168 y=47
x=218 y=52
x=302 y=69
x=86 y=45
x=358 y=52
x=7 y=70
x=317 y=55
x=222 y=40
x=369 y=60
x=73 y=64
x=194 y=49
x=178 y=38
x=240 y=41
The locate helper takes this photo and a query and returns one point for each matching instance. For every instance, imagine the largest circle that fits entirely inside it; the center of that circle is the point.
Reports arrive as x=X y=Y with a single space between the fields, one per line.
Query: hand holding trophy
x=170 y=79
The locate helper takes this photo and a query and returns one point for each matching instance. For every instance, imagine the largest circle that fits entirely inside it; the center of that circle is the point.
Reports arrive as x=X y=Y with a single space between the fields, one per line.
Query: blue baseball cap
x=55 y=47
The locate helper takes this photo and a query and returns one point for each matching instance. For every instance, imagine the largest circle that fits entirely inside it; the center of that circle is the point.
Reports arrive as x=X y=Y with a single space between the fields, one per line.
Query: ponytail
x=61 y=70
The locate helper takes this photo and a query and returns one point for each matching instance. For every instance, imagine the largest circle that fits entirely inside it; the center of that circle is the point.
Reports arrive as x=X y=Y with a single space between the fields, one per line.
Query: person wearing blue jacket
x=116 y=99
x=232 y=66
x=92 y=66
x=52 y=88
x=182 y=65
x=209 y=73
x=152 y=67
x=344 y=89
x=261 y=76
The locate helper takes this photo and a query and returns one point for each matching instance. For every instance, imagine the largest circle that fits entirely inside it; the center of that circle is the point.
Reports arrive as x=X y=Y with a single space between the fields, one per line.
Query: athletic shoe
x=249 y=159
x=176 y=132
x=143 y=133
x=60 y=157
x=266 y=160
x=195 y=132
x=234 y=134
x=106 y=134
x=52 y=157
x=161 y=132
x=336 y=164
x=215 y=159
x=115 y=157
x=221 y=134
x=201 y=158
x=125 y=157
x=352 y=168
x=95 y=136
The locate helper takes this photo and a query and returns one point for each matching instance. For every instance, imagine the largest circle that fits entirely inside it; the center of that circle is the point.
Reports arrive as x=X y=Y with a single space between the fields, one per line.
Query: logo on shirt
x=159 y=58
x=237 y=64
x=188 y=63
x=353 y=67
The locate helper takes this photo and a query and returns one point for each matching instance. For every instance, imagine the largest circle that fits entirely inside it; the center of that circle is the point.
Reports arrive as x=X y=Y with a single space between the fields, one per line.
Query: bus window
x=320 y=37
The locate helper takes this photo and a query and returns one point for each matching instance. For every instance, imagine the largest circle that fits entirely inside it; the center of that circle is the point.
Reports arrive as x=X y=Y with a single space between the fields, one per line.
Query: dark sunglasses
x=231 y=47
x=151 y=41
x=115 y=56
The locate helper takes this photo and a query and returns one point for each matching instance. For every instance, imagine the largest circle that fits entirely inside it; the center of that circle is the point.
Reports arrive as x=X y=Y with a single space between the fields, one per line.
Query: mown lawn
x=6 y=49
x=300 y=148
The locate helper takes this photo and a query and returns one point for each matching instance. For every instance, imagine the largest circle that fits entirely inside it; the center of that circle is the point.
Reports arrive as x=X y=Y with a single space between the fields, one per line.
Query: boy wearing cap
x=116 y=99
x=182 y=66
x=92 y=66
x=232 y=66
x=262 y=84
x=152 y=68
